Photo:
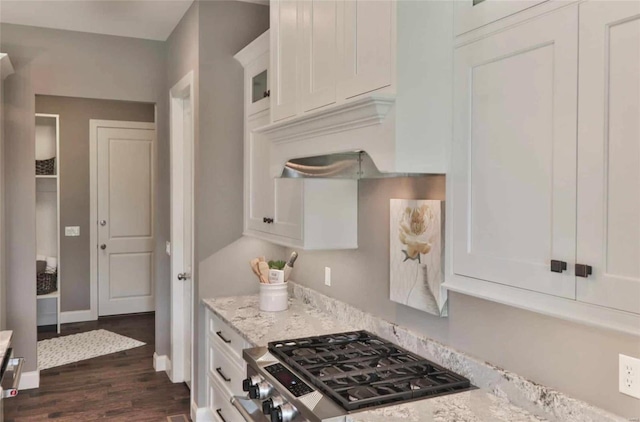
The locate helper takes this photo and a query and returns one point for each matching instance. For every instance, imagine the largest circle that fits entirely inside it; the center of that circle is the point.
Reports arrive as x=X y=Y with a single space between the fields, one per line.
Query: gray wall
x=75 y=114
x=182 y=57
x=225 y=27
x=61 y=63
x=578 y=360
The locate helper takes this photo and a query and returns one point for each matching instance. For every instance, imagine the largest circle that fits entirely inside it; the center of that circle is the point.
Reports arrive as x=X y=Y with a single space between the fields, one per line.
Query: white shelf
x=50 y=295
x=46 y=176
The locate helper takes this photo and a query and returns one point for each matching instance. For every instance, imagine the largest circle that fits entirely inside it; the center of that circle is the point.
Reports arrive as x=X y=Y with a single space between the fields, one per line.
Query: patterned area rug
x=76 y=347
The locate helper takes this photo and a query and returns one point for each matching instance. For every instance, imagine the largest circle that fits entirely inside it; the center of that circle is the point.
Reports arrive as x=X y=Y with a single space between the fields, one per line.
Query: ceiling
x=148 y=19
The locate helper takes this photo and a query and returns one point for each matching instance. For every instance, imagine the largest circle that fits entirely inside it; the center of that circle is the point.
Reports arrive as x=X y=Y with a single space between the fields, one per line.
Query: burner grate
x=358 y=369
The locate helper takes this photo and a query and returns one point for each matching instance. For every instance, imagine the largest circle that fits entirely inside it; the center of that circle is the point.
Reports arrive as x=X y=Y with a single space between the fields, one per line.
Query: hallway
x=118 y=387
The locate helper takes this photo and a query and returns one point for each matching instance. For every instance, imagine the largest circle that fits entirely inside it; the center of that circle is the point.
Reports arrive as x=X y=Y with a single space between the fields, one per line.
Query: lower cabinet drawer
x=219 y=401
x=224 y=369
x=225 y=336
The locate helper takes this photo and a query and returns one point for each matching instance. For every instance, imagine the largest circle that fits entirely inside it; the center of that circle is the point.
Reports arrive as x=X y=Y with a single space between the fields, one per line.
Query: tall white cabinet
x=546 y=182
x=47 y=145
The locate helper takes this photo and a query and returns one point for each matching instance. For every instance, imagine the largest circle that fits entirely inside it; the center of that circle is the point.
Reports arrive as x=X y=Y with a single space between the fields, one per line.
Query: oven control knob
x=270 y=403
x=284 y=413
x=260 y=391
x=252 y=380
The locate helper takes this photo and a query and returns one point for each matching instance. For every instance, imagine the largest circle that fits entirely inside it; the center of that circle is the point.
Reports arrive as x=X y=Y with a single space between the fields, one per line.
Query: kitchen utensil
x=263 y=267
x=289 y=266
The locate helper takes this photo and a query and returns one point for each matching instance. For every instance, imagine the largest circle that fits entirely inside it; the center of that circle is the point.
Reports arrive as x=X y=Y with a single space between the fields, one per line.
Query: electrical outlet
x=327 y=276
x=629 y=378
x=72 y=231
x=167 y=248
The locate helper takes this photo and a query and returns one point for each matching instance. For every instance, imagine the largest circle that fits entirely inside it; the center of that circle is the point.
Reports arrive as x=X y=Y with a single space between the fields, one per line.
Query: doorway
x=182 y=229
x=122 y=231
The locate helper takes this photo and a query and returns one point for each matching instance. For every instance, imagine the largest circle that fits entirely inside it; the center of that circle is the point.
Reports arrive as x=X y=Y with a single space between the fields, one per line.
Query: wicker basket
x=46 y=167
x=46 y=282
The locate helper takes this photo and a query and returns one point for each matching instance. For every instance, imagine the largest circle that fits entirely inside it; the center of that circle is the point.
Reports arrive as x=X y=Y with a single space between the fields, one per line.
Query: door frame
x=94 y=125
x=182 y=90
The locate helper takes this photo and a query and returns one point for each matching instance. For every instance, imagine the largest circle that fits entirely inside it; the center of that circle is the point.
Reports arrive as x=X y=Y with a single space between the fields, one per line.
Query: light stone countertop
x=5 y=341
x=241 y=313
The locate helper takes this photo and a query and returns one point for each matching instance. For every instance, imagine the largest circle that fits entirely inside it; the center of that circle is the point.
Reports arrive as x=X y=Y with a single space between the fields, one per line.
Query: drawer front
x=219 y=401
x=225 y=370
x=229 y=340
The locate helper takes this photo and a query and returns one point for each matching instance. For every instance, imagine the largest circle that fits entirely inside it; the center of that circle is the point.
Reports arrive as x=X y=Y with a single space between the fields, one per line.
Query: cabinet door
x=514 y=186
x=257 y=85
x=319 y=54
x=472 y=14
x=284 y=57
x=260 y=201
x=369 y=58
x=609 y=154
x=287 y=212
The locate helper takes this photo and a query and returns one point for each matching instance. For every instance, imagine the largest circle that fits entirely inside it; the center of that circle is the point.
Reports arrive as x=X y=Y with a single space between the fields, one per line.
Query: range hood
x=367 y=137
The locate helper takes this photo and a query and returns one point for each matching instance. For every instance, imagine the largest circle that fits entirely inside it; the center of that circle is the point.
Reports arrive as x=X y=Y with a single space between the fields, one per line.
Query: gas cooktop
x=359 y=370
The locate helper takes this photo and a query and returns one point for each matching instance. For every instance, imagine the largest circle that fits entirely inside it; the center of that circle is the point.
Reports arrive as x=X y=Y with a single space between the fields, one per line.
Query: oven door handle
x=10 y=385
x=248 y=409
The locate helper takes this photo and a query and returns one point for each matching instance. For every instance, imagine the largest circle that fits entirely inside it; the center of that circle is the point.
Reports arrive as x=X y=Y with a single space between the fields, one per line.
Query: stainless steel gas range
x=325 y=378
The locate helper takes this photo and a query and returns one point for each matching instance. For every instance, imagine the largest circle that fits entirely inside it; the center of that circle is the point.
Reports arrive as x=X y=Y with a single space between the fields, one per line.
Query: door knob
x=184 y=276
x=103 y=222
x=103 y=246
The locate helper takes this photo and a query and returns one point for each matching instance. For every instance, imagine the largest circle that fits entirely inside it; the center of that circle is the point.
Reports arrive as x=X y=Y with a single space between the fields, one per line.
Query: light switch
x=167 y=248
x=70 y=231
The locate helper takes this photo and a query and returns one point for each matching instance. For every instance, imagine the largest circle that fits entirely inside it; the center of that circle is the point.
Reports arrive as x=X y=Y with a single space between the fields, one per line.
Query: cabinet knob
x=583 y=270
x=558 y=266
x=267 y=93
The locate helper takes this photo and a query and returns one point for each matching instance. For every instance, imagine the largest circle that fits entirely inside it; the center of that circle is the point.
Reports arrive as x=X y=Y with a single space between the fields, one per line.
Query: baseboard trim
x=76 y=316
x=203 y=414
x=161 y=363
x=29 y=380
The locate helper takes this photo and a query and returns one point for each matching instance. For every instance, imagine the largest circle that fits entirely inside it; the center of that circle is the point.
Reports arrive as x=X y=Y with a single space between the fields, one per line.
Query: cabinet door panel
x=284 y=58
x=472 y=14
x=368 y=45
x=515 y=147
x=319 y=53
x=288 y=208
x=609 y=154
x=257 y=85
x=260 y=200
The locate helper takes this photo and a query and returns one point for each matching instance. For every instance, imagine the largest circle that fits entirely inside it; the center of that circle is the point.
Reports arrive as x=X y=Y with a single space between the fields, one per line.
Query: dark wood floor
x=117 y=387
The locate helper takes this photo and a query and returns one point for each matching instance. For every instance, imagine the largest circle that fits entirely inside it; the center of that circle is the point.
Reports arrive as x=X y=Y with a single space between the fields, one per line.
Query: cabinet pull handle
x=219 y=371
x=219 y=412
x=219 y=334
x=266 y=94
x=583 y=270
x=264 y=219
x=558 y=266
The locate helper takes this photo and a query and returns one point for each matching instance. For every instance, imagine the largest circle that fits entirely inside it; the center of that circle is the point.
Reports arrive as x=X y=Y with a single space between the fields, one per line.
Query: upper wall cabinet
x=300 y=213
x=546 y=180
x=363 y=75
x=368 y=42
x=285 y=23
x=515 y=140
x=473 y=14
x=609 y=154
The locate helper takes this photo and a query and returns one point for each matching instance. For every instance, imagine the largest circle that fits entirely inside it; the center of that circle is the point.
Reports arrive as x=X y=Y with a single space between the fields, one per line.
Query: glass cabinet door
x=257 y=88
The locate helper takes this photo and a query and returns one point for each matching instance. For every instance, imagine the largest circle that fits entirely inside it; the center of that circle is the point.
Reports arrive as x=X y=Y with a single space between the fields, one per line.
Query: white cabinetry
x=369 y=46
x=225 y=368
x=285 y=21
x=302 y=213
x=546 y=165
x=472 y=14
x=609 y=154
x=319 y=55
x=515 y=147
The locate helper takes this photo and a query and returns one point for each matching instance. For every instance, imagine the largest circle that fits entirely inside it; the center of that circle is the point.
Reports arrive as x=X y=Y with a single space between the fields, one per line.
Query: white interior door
x=125 y=157
x=182 y=226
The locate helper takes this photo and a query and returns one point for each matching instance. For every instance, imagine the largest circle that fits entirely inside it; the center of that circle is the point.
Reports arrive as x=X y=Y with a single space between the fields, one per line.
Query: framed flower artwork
x=416 y=259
